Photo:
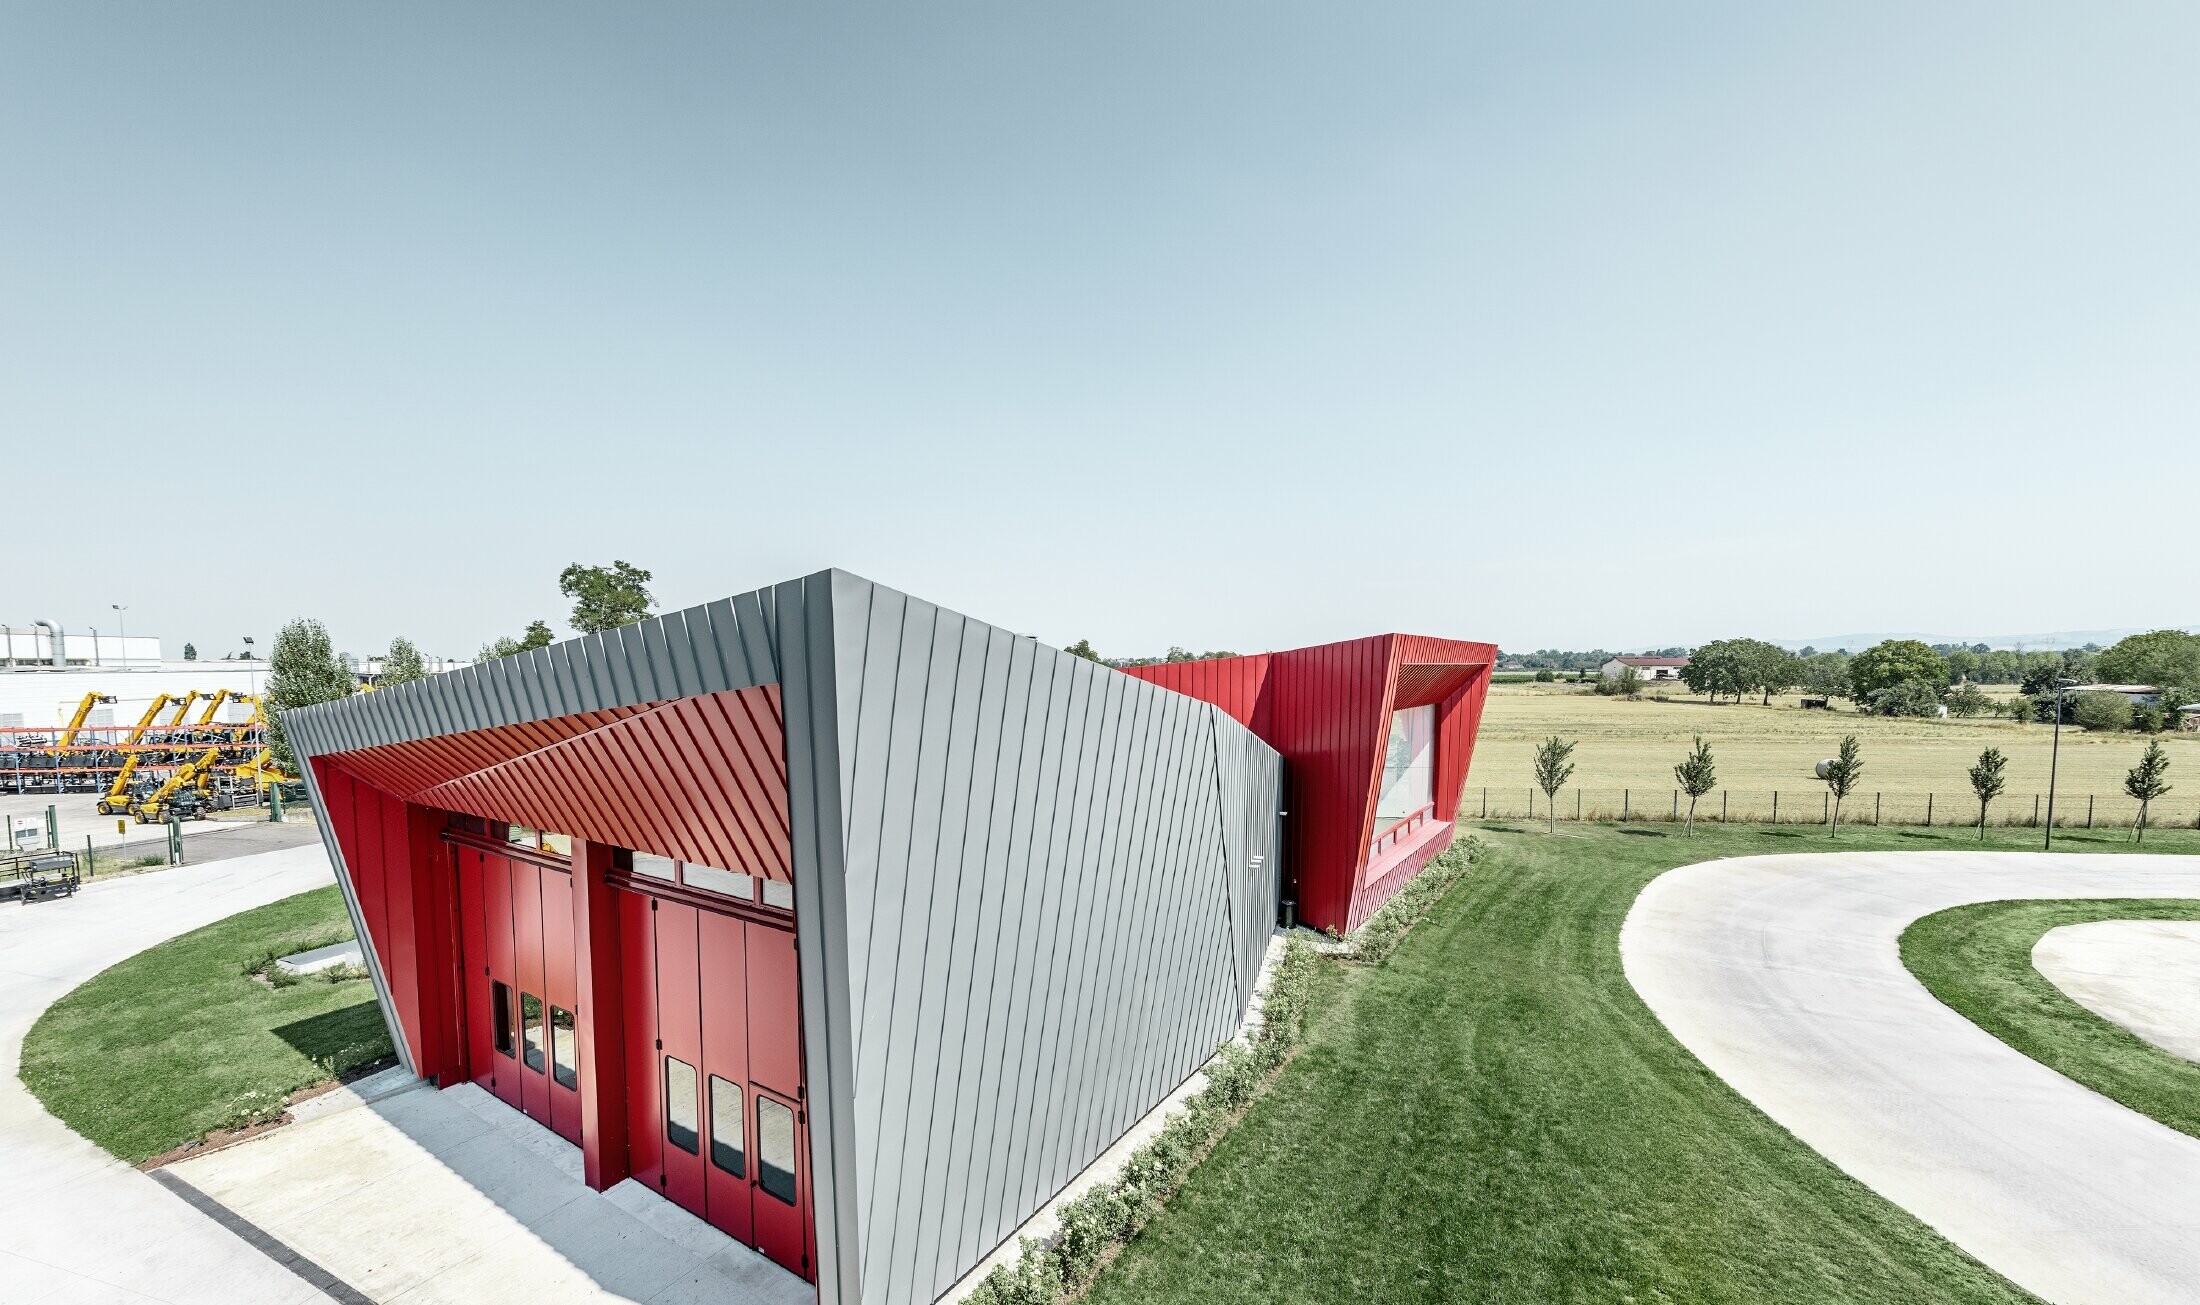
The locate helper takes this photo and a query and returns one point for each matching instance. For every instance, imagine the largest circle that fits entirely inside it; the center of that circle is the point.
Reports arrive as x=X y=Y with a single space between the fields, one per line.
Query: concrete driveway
x=82 y=1226
x=1783 y=975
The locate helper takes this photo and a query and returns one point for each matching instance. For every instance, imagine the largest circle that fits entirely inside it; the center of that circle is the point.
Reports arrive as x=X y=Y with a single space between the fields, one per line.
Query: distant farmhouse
x=1649 y=668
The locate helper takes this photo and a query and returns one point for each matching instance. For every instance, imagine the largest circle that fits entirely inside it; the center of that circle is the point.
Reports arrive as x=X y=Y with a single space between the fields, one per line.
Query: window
x=779 y=894
x=775 y=1148
x=1408 y=766
x=725 y=1127
x=557 y=844
x=564 y=1057
x=713 y=880
x=530 y=1030
x=680 y=1120
x=653 y=866
x=500 y=1007
x=520 y=836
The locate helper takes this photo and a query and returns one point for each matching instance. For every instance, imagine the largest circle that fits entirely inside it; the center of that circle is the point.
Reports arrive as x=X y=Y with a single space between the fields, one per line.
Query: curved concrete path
x=2141 y=974
x=1783 y=975
x=80 y=1225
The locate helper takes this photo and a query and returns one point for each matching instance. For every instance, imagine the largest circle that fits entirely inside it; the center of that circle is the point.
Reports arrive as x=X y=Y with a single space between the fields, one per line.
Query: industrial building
x=856 y=926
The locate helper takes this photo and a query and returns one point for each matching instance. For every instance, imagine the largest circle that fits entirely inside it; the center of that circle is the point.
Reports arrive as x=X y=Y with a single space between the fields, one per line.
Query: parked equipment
x=179 y=797
x=83 y=713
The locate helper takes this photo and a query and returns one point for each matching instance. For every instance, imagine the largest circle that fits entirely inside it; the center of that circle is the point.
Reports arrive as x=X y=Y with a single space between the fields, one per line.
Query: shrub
x=2150 y=719
x=2101 y=711
x=1966 y=701
x=2022 y=710
x=1909 y=698
x=1545 y=676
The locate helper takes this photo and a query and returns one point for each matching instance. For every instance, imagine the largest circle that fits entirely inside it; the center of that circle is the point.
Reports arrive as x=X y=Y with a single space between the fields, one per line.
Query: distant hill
x=2051 y=641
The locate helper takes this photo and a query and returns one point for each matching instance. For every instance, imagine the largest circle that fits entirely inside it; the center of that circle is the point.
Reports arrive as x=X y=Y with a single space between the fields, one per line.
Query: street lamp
x=120 y=608
x=252 y=676
x=2054 y=758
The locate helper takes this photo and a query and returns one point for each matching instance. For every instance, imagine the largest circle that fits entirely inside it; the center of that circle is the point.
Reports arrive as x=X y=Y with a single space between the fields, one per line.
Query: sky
x=1229 y=325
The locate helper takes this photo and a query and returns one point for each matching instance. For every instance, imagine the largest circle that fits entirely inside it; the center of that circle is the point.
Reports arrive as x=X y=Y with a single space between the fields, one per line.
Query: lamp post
x=124 y=624
x=2054 y=759
x=252 y=675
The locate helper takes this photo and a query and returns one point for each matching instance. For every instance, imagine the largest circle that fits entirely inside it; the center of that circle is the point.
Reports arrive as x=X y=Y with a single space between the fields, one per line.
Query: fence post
x=1626 y=803
x=53 y=828
x=1825 y=807
x=1775 y=806
x=2035 y=811
x=1577 y=804
x=1485 y=801
x=1875 y=809
x=1928 y=811
x=1531 y=804
x=88 y=871
x=2089 y=811
x=1722 y=806
x=175 y=840
x=275 y=804
x=1676 y=804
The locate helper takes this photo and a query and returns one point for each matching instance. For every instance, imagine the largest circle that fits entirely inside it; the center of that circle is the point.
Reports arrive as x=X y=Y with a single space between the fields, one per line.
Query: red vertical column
x=601 y=1015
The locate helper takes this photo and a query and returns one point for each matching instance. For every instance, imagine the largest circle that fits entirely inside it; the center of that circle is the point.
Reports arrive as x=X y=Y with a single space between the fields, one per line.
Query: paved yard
x=2141 y=974
x=1783 y=975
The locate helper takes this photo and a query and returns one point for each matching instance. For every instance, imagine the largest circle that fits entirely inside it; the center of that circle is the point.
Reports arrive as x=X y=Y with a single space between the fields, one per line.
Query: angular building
x=855 y=926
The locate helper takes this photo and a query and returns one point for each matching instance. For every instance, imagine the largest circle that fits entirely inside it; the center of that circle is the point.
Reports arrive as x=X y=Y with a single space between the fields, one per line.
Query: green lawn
x=1495 y=1116
x=1978 y=960
x=179 y=1040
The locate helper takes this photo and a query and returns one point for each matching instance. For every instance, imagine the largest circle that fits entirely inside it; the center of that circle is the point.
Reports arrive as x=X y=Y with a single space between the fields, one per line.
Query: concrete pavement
x=81 y=1225
x=2141 y=974
x=1783 y=975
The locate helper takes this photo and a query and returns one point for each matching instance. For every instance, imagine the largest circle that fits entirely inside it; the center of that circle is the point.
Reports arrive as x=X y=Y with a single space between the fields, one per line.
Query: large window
x=682 y=1127
x=775 y=1149
x=725 y=1127
x=530 y=1030
x=1409 y=766
x=565 y=1065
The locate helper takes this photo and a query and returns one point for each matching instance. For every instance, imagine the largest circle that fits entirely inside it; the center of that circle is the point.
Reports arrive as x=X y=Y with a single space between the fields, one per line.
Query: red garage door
x=516 y=939
x=714 y=1071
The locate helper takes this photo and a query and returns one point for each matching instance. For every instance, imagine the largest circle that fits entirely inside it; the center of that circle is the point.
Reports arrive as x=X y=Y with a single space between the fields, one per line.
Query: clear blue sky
x=1227 y=324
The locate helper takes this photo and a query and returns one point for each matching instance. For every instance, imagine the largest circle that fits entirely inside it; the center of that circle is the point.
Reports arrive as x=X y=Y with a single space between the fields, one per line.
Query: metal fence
x=230 y=838
x=1814 y=806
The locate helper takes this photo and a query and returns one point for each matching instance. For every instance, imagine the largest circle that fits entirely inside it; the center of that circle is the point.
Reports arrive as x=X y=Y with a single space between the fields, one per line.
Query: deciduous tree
x=2146 y=782
x=304 y=669
x=190 y=652
x=1696 y=776
x=403 y=663
x=1553 y=767
x=606 y=597
x=1841 y=775
x=1884 y=665
x=1986 y=781
x=1083 y=648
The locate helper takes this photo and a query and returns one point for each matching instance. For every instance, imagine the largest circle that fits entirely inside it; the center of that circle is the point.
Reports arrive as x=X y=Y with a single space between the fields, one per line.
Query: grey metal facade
x=1032 y=893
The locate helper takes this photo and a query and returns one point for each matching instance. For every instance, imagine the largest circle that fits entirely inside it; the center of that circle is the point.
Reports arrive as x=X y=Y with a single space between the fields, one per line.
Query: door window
x=725 y=1127
x=680 y=1117
x=500 y=1006
x=564 y=1058
x=530 y=1030
x=775 y=1148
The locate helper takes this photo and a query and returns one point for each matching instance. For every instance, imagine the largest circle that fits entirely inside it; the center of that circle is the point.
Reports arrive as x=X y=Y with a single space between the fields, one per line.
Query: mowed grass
x=178 y=1040
x=1635 y=745
x=1495 y=1116
x=1978 y=960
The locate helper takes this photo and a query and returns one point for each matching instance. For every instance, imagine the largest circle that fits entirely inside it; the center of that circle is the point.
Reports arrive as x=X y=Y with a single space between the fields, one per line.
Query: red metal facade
x=450 y=916
x=1327 y=710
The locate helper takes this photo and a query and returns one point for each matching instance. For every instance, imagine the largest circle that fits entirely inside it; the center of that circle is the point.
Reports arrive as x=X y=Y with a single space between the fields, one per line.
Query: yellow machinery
x=214 y=705
x=183 y=705
x=117 y=800
x=261 y=771
x=156 y=807
x=145 y=722
x=258 y=717
x=83 y=713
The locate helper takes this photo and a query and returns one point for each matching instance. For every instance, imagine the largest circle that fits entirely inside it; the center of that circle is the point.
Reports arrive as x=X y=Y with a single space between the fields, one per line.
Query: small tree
x=1696 y=776
x=190 y=652
x=1553 y=767
x=537 y=636
x=2022 y=710
x=606 y=597
x=403 y=663
x=2101 y=712
x=1841 y=775
x=304 y=669
x=2146 y=782
x=1083 y=648
x=1986 y=781
x=1966 y=701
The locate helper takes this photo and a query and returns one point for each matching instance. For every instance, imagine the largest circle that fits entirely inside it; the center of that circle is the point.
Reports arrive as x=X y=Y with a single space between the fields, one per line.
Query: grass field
x=1495 y=1116
x=1634 y=745
x=179 y=1040
x=1978 y=960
